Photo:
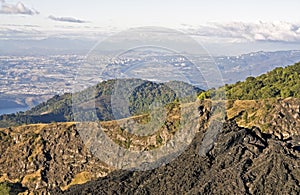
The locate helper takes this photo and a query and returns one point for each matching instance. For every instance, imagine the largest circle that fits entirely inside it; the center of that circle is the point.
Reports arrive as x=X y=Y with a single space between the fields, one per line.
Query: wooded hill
x=140 y=95
x=278 y=83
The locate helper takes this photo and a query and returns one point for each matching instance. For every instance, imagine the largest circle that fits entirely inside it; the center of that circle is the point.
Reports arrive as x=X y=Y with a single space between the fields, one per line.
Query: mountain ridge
x=233 y=164
x=254 y=151
x=53 y=145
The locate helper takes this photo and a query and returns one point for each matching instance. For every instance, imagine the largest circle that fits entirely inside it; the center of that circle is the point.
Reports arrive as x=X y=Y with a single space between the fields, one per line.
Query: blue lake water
x=12 y=110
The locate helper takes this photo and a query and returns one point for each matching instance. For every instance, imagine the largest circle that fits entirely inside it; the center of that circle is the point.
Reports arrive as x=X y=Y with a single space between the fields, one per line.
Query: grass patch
x=80 y=178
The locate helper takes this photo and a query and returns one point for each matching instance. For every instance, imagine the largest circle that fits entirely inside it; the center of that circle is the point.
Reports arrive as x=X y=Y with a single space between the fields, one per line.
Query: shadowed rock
x=240 y=161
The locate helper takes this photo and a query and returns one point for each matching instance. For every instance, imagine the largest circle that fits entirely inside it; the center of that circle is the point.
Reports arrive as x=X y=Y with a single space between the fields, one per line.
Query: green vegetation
x=7 y=188
x=278 y=83
x=4 y=189
x=159 y=140
x=145 y=96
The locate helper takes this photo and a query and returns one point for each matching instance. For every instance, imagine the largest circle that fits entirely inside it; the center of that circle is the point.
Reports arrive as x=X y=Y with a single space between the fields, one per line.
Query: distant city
x=28 y=80
x=37 y=75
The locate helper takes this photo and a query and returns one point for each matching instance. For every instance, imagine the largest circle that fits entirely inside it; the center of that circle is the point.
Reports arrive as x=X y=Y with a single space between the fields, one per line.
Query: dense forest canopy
x=139 y=94
x=278 y=83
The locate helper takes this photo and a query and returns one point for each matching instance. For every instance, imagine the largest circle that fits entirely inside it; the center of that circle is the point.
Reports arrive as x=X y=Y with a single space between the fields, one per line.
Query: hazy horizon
x=223 y=28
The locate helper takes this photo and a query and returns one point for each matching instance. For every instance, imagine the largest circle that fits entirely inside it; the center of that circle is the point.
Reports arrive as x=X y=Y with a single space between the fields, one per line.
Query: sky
x=213 y=22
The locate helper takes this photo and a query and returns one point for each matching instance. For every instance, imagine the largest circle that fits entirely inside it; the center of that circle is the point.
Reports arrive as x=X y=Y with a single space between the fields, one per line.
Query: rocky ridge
x=241 y=161
x=279 y=117
x=44 y=156
x=251 y=155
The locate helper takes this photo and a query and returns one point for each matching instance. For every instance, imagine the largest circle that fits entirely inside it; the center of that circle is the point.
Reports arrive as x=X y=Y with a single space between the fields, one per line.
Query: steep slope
x=280 y=117
x=278 y=83
x=42 y=157
x=242 y=161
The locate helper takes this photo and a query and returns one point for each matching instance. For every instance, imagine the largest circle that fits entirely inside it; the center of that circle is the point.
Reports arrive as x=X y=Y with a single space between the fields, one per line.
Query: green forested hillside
x=140 y=99
x=278 y=83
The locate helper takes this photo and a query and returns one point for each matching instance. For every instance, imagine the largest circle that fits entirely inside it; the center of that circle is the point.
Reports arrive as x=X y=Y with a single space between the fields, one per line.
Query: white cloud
x=66 y=19
x=261 y=31
x=19 y=8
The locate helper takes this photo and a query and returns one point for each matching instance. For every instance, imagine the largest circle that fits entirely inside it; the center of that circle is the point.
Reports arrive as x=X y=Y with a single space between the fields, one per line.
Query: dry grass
x=5 y=178
x=250 y=113
x=32 y=178
x=37 y=128
x=80 y=178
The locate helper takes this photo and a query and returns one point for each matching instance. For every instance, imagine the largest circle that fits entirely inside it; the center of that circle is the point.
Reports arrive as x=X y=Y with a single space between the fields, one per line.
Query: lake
x=12 y=110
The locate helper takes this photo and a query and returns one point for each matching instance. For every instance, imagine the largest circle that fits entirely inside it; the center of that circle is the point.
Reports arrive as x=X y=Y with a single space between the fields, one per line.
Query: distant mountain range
x=238 y=68
x=47 y=46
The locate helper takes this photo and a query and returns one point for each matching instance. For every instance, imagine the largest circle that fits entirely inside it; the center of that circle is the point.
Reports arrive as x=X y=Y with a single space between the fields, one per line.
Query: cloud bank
x=66 y=19
x=19 y=8
x=261 y=31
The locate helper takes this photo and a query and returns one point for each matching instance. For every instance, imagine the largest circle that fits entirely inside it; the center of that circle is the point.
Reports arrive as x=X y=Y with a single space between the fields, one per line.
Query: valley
x=252 y=140
x=27 y=81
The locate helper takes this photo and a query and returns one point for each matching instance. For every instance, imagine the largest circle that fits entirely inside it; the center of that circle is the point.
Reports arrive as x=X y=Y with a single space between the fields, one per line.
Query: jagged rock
x=241 y=161
x=46 y=156
x=280 y=117
x=232 y=158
